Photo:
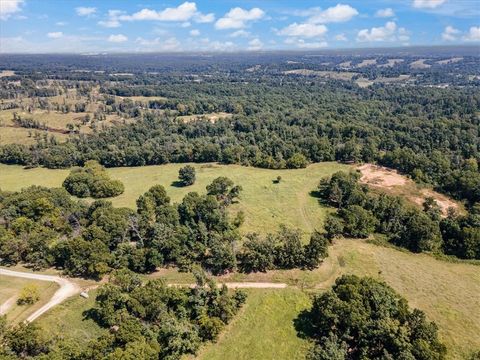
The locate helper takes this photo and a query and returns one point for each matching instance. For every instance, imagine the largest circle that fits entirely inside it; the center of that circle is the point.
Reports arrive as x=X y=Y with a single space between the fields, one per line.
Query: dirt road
x=7 y=305
x=242 y=285
x=67 y=289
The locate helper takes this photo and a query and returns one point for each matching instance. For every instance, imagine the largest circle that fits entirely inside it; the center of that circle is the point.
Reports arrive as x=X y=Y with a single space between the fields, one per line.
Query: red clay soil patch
x=390 y=181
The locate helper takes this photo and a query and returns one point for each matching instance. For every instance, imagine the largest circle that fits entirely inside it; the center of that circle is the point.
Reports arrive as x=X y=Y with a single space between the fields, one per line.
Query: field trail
x=242 y=285
x=7 y=305
x=67 y=289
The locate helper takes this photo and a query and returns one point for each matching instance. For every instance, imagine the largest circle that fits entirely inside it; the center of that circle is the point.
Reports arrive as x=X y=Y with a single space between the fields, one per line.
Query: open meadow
x=265 y=203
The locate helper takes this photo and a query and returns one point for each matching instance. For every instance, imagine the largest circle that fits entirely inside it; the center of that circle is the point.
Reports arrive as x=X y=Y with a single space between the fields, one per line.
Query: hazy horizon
x=42 y=27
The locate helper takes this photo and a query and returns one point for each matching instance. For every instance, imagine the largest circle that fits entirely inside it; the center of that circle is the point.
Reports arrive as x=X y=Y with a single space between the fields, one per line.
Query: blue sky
x=42 y=26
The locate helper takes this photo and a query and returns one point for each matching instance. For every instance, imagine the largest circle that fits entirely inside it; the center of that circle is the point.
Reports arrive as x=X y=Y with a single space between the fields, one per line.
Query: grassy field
x=263 y=330
x=10 y=287
x=447 y=292
x=68 y=320
x=265 y=204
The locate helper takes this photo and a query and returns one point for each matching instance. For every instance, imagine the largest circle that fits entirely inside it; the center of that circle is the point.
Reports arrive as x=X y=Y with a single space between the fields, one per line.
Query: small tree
x=187 y=175
x=29 y=295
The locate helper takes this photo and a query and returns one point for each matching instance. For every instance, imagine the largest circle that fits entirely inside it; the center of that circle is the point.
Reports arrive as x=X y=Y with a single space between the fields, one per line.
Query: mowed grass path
x=263 y=329
x=266 y=204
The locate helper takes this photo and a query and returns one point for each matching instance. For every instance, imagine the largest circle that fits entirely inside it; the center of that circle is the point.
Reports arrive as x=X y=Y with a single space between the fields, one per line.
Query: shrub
x=29 y=295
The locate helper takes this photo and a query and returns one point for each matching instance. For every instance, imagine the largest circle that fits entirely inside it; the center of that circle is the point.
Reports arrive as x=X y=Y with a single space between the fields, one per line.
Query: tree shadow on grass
x=303 y=325
x=177 y=183
x=92 y=314
x=317 y=195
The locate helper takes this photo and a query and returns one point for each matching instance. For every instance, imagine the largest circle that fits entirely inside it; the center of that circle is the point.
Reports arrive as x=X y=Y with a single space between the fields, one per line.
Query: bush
x=29 y=295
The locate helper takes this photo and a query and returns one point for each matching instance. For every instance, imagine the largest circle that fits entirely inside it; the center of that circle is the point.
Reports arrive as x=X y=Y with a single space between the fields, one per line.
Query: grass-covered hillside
x=266 y=204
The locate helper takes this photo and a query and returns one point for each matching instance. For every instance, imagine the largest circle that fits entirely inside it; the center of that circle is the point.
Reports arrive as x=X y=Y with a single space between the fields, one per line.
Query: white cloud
x=61 y=23
x=403 y=35
x=183 y=12
x=112 y=20
x=450 y=33
x=334 y=14
x=85 y=11
x=385 y=13
x=341 y=37
x=158 y=44
x=240 y=33
x=389 y=32
x=110 y=23
x=119 y=38
x=9 y=7
x=204 y=18
x=473 y=34
x=194 y=32
x=206 y=45
x=255 y=44
x=238 y=18
x=55 y=35
x=300 y=43
x=427 y=4
x=186 y=24
x=304 y=30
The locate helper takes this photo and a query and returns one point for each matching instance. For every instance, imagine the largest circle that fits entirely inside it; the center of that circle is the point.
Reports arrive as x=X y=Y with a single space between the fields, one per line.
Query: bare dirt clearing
x=450 y=61
x=420 y=64
x=5 y=73
x=390 y=181
x=338 y=75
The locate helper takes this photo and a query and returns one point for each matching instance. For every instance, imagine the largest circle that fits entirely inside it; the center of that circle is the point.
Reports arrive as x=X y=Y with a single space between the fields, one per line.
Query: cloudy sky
x=41 y=26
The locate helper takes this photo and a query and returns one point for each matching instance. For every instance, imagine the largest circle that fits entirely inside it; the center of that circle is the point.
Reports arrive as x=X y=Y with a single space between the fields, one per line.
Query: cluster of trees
x=283 y=250
x=146 y=321
x=28 y=123
x=92 y=181
x=363 y=318
x=45 y=227
x=362 y=213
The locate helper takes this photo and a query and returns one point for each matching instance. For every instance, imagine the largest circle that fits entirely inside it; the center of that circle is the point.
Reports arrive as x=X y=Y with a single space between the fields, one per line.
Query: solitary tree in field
x=187 y=175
